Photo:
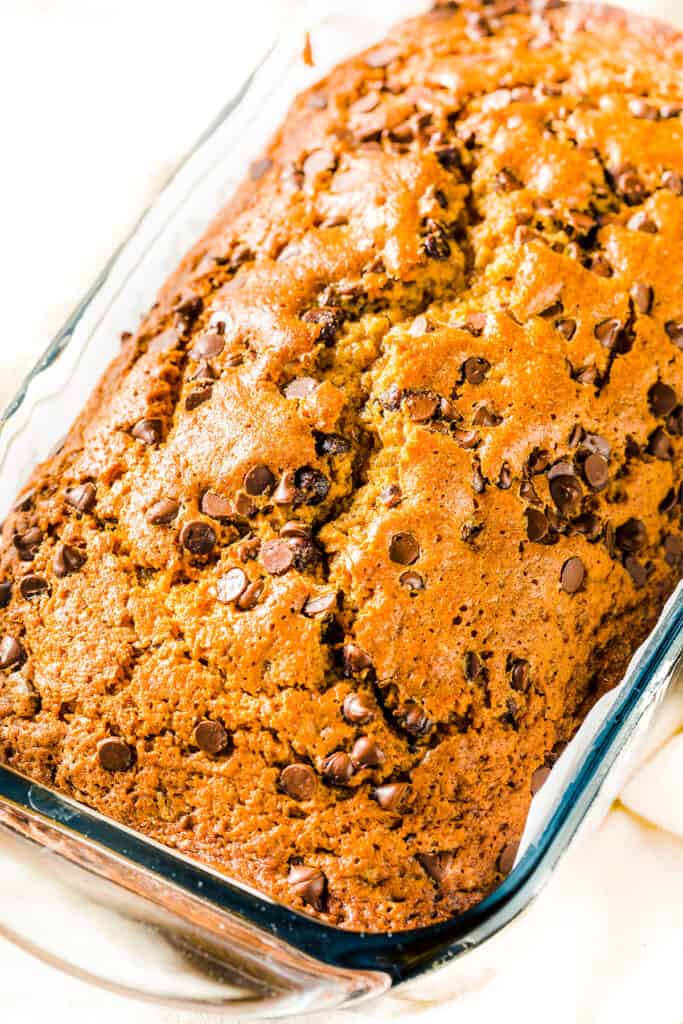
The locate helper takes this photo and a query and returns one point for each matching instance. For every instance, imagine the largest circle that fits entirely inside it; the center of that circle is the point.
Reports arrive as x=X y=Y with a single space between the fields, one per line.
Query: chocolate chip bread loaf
x=386 y=489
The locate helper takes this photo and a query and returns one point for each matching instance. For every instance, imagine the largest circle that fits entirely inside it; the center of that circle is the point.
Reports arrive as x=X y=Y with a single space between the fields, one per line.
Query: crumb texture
x=387 y=487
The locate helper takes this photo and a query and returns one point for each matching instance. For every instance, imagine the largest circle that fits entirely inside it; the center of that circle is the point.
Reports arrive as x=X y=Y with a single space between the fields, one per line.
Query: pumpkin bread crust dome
x=386 y=489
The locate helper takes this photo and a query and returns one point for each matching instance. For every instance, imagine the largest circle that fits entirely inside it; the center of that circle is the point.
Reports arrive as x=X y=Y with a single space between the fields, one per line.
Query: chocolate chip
x=114 y=754
x=189 y=309
x=504 y=478
x=436 y=244
x=298 y=781
x=365 y=753
x=285 y=492
x=507 y=857
x=538 y=461
x=204 y=372
x=437 y=865
x=197 y=397
x=149 y=431
x=28 y=543
x=608 y=332
x=211 y=737
x=259 y=168
x=250 y=596
x=674 y=328
x=320 y=161
x=391 y=496
x=231 y=585
x=668 y=502
x=473 y=666
x=217 y=506
x=243 y=505
x=519 y=675
x=631 y=187
x=485 y=417
x=596 y=471
x=631 y=536
x=673 y=182
x=330 y=444
x=475 y=324
x=507 y=181
x=673 y=549
x=11 y=652
x=163 y=512
x=258 y=480
x=412 y=580
x=300 y=387
x=567 y=327
x=404 y=549
x=67 y=559
x=355 y=659
x=321 y=604
x=536 y=525
x=466 y=438
x=358 y=709
x=329 y=318
x=312 y=486
x=636 y=571
x=276 y=557
x=415 y=721
x=660 y=445
x=296 y=528
x=572 y=575
x=308 y=883
x=208 y=346
x=5 y=593
x=567 y=494
x=662 y=399
x=391 y=796
x=338 y=768
x=198 y=537
x=81 y=497
x=420 y=406
x=642 y=295
x=641 y=222
x=539 y=778
x=33 y=586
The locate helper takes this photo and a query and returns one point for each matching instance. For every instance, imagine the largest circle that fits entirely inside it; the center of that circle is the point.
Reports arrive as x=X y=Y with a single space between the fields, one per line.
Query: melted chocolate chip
x=198 y=396
x=330 y=444
x=674 y=329
x=539 y=778
x=636 y=571
x=391 y=496
x=11 y=652
x=660 y=445
x=321 y=604
x=216 y=506
x=567 y=327
x=519 y=675
x=5 y=593
x=250 y=596
x=312 y=486
x=420 y=406
x=412 y=580
x=474 y=369
x=329 y=318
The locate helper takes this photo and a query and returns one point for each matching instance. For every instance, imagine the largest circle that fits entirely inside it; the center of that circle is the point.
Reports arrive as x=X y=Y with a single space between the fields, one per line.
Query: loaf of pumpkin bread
x=386 y=489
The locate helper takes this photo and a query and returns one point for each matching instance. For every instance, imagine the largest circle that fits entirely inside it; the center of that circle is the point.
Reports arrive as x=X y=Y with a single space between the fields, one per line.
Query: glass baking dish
x=98 y=900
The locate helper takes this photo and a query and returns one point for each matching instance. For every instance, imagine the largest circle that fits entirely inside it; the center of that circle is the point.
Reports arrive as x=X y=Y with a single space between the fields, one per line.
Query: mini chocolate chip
x=660 y=445
x=33 y=586
x=338 y=768
x=641 y=222
x=536 y=525
x=197 y=397
x=437 y=865
x=5 y=593
x=329 y=318
x=642 y=295
x=420 y=406
x=231 y=585
x=415 y=721
x=114 y=754
x=391 y=496
x=355 y=659
x=391 y=796
x=404 y=549
x=663 y=399
x=67 y=559
x=596 y=471
x=358 y=709
x=258 y=480
x=250 y=596
x=636 y=571
x=217 y=506
x=567 y=494
x=276 y=557
x=608 y=332
x=507 y=858
x=81 y=497
x=572 y=575
x=298 y=781
x=330 y=444
x=567 y=327
x=308 y=883
x=321 y=604
x=211 y=737
x=208 y=346
x=475 y=368
x=312 y=486
x=198 y=537
x=539 y=778
x=412 y=580
x=163 y=512
x=300 y=387
x=148 y=431
x=365 y=753
x=519 y=675
x=259 y=168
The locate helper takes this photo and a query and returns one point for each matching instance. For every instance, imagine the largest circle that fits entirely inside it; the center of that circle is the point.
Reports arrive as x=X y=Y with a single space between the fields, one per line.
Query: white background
x=99 y=100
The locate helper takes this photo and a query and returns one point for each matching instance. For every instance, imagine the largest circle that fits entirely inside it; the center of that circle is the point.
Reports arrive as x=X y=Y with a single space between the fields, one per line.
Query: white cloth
x=98 y=105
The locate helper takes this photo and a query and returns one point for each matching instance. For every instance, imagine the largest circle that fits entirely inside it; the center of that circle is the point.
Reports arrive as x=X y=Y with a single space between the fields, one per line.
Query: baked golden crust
x=386 y=489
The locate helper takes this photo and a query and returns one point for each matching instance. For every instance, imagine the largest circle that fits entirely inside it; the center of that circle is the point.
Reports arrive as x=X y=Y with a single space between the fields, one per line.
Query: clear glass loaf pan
x=106 y=904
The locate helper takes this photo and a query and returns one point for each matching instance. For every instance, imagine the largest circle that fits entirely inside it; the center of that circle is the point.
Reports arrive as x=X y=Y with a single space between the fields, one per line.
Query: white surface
x=99 y=100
